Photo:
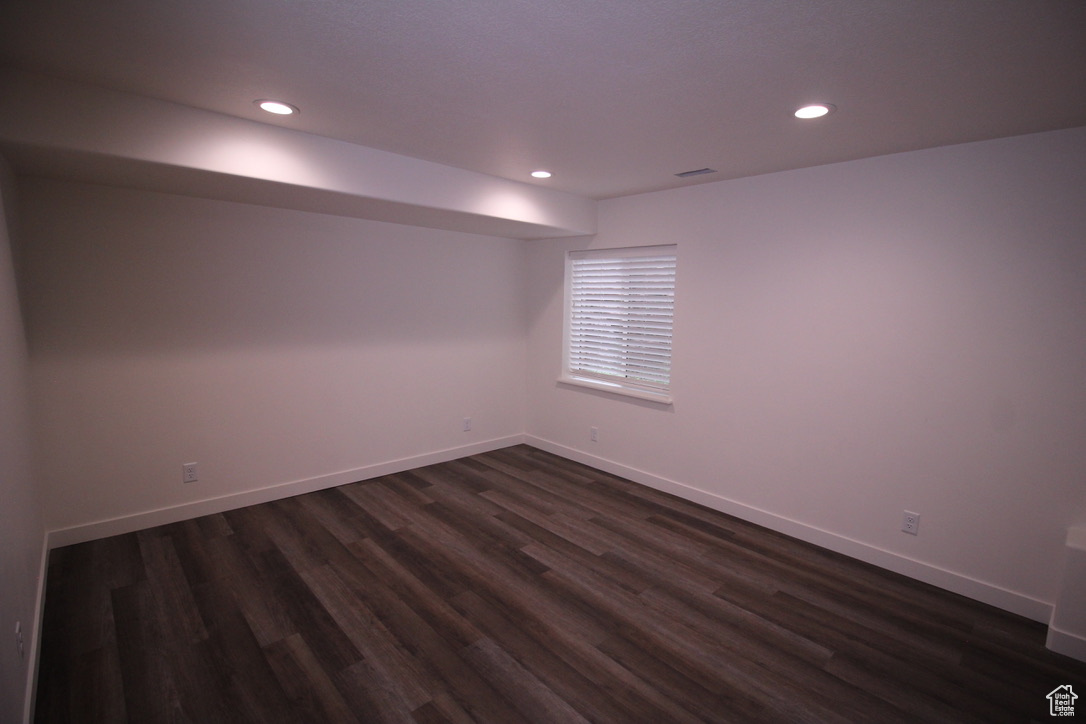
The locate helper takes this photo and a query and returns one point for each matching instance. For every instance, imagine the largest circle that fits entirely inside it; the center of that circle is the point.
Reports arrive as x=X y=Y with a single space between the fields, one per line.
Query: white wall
x=270 y=346
x=90 y=133
x=854 y=340
x=22 y=537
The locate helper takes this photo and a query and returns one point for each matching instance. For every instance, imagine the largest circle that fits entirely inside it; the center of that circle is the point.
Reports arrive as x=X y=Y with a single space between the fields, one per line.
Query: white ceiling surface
x=613 y=96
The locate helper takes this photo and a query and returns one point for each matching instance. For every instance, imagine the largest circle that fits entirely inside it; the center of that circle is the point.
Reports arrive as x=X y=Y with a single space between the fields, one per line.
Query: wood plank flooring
x=515 y=586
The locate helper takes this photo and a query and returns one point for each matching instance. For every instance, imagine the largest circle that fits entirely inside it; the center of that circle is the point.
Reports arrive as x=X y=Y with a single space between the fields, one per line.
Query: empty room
x=508 y=361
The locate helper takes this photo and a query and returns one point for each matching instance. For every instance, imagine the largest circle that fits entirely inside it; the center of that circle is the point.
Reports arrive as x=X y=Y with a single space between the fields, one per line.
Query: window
x=620 y=304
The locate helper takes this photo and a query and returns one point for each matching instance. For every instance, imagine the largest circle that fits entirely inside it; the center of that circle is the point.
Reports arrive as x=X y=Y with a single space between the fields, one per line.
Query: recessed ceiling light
x=816 y=110
x=279 y=108
x=541 y=174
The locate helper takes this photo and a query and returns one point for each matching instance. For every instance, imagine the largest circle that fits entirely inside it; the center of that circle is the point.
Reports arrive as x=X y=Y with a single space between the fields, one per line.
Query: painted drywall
x=269 y=346
x=91 y=133
x=899 y=333
x=22 y=536
x=1067 y=629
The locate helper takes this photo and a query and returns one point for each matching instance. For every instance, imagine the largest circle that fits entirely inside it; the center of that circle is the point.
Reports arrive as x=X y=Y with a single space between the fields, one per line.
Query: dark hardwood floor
x=515 y=586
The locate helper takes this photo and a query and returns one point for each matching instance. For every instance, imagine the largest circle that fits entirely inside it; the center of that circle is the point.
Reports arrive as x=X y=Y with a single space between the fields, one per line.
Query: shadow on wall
x=115 y=270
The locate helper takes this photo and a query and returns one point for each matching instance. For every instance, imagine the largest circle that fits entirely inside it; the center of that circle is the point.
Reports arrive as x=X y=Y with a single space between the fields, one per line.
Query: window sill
x=662 y=398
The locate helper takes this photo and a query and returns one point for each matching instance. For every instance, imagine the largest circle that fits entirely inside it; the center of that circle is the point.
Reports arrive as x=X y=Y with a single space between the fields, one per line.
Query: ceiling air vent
x=696 y=172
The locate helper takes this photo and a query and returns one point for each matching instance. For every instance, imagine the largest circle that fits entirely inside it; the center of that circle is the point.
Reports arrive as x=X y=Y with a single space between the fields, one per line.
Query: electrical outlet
x=594 y=434
x=910 y=522
x=467 y=424
x=19 y=639
x=188 y=473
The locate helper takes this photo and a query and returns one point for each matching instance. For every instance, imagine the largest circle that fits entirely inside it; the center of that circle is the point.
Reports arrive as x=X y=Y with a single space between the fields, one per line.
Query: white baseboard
x=173 y=514
x=991 y=594
x=977 y=590
x=1066 y=643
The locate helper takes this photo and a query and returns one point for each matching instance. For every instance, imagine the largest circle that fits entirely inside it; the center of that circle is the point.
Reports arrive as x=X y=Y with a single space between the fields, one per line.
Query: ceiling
x=613 y=96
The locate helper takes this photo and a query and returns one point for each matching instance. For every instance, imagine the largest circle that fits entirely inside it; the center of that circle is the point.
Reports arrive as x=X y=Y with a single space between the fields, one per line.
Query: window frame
x=619 y=385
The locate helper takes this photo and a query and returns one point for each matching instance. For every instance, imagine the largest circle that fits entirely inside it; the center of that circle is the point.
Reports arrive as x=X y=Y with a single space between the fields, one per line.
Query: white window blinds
x=621 y=305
